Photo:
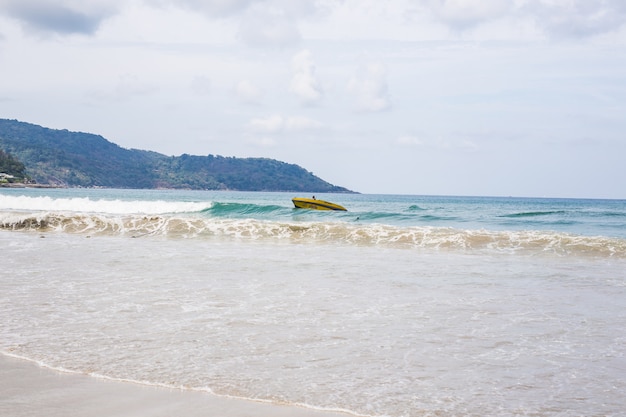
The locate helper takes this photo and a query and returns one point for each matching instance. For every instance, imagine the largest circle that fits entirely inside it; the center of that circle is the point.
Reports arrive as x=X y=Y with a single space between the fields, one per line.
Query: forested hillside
x=74 y=159
x=11 y=170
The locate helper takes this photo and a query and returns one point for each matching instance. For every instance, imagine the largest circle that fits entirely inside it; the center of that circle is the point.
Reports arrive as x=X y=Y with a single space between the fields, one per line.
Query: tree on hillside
x=12 y=169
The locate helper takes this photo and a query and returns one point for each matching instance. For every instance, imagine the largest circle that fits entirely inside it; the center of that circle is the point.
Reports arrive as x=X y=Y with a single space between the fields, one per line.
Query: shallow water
x=307 y=308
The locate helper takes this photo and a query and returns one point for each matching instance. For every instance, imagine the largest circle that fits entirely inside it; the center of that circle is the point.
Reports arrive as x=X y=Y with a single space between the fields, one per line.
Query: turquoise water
x=401 y=306
x=587 y=217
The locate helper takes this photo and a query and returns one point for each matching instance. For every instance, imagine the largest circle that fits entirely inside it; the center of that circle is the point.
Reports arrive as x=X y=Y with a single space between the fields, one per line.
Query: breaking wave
x=198 y=226
x=85 y=204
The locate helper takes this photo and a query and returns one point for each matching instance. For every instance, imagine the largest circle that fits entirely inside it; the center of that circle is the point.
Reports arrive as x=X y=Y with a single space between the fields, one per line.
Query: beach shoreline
x=28 y=185
x=27 y=389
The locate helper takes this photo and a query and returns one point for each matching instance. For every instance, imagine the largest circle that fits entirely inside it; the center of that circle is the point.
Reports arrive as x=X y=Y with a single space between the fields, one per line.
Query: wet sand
x=27 y=389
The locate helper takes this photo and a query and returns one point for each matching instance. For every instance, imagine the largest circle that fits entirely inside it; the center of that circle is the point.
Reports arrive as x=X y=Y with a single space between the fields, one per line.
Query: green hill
x=74 y=159
x=11 y=170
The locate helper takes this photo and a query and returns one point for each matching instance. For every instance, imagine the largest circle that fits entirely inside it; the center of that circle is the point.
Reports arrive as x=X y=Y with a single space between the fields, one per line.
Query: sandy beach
x=27 y=389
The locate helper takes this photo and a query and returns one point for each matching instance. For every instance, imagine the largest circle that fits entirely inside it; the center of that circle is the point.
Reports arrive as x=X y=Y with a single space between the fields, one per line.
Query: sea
x=404 y=305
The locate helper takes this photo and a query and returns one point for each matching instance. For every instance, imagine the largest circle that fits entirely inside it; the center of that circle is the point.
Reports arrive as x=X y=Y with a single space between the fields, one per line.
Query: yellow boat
x=315 y=204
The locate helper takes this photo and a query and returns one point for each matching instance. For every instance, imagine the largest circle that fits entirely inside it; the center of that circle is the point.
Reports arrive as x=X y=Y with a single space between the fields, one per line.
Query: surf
x=316 y=232
x=109 y=206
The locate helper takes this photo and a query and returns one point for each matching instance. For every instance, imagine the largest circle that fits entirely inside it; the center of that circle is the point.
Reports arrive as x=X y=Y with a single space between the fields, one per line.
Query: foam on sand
x=27 y=389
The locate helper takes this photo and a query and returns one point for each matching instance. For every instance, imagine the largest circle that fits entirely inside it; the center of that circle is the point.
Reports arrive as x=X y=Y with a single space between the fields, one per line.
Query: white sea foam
x=87 y=205
x=374 y=330
x=194 y=226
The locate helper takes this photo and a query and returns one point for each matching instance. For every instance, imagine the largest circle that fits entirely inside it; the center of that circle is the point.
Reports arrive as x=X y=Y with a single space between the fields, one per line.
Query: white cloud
x=248 y=92
x=268 y=27
x=263 y=142
x=201 y=85
x=212 y=8
x=63 y=17
x=278 y=22
x=304 y=82
x=278 y=124
x=261 y=23
x=576 y=18
x=127 y=87
x=461 y=14
x=370 y=89
x=449 y=143
x=299 y=123
x=409 y=140
x=271 y=124
x=560 y=18
x=226 y=8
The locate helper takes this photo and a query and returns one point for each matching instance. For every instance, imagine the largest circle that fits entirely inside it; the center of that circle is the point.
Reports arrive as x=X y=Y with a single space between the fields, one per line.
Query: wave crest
x=318 y=232
x=85 y=204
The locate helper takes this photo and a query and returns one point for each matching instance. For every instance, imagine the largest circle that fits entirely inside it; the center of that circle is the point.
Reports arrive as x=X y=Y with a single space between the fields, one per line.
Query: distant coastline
x=67 y=159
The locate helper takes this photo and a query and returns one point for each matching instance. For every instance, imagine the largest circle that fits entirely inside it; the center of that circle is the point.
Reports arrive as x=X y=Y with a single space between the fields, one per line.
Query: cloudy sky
x=445 y=97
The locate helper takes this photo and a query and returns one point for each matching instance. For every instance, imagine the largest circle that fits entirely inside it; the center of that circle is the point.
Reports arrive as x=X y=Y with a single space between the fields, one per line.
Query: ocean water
x=401 y=306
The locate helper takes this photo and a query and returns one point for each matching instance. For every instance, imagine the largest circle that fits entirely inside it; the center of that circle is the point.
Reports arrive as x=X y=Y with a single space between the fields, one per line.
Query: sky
x=429 y=97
